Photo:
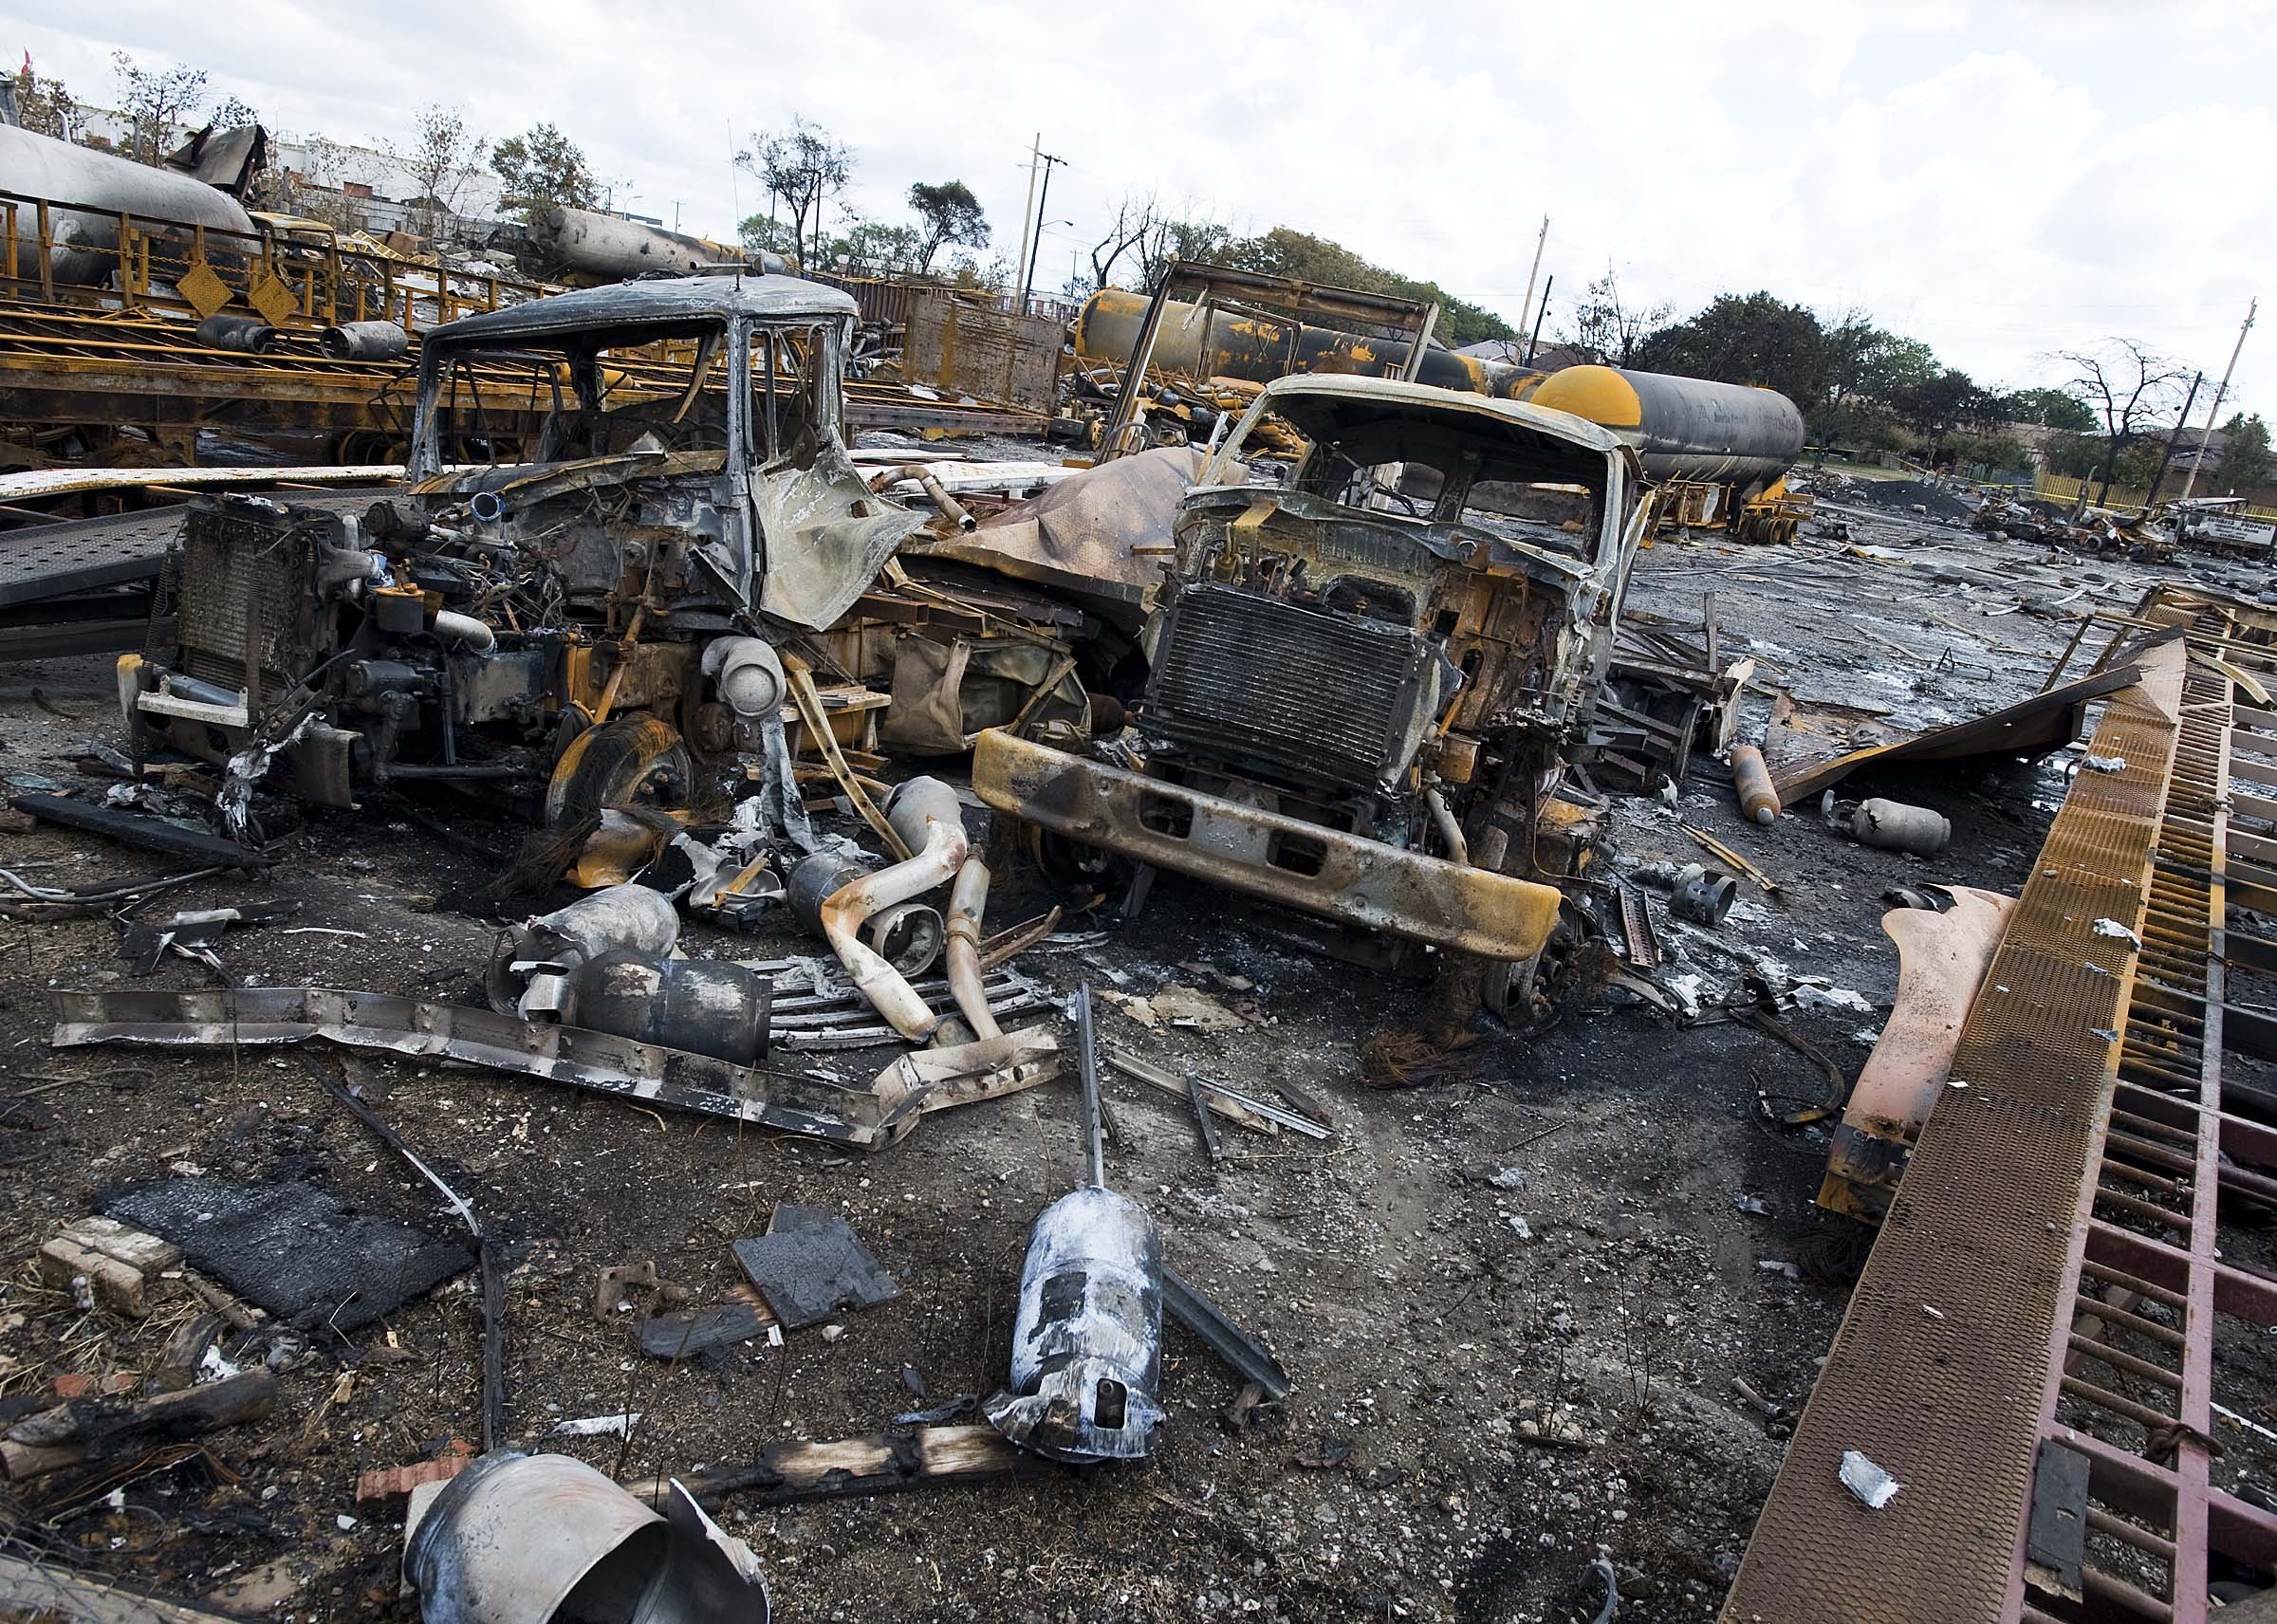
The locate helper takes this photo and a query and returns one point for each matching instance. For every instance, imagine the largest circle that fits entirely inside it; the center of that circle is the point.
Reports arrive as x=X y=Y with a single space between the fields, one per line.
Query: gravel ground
x=1514 y=1303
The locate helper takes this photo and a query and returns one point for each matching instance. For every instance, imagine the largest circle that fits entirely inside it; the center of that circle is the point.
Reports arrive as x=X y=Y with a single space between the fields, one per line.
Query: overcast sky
x=2000 y=181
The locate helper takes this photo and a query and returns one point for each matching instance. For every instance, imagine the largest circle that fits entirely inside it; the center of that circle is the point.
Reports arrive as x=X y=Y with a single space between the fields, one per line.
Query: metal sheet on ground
x=303 y=1255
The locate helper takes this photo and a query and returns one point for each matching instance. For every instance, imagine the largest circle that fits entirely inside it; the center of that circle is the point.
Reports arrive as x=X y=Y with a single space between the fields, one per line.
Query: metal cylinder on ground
x=517 y=1539
x=1702 y=895
x=1896 y=826
x=1751 y=778
x=249 y=335
x=366 y=341
x=1087 y=1333
x=702 y=1006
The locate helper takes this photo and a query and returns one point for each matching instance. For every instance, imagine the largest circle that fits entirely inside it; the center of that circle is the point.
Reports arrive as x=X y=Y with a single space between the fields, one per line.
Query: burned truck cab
x=1366 y=685
x=571 y=620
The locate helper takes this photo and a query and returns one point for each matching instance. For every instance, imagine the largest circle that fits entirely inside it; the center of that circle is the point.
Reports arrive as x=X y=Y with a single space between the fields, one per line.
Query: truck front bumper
x=1346 y=877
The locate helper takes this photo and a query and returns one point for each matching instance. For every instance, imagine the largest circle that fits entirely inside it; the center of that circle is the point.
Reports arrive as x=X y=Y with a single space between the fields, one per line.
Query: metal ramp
x=2040 y=1345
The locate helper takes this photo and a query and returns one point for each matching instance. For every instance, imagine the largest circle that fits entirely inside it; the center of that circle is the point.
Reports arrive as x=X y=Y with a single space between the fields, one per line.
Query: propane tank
x=702 y=1006
x=1752 y=780
x=1087 y=1336
x=366 y=341
x=1891 y=825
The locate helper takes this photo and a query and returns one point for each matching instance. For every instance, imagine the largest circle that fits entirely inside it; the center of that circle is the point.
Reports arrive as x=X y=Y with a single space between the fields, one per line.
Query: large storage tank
x=1259 y=349
x=1684 y=428
x=86 y=239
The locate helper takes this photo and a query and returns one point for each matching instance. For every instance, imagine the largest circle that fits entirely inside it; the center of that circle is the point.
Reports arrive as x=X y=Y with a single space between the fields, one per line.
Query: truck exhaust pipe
x=925 y=812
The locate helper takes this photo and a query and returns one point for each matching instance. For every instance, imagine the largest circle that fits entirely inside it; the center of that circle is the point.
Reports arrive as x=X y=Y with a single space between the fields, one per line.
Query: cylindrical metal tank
x=1258 y=350
x=703 y=1005
x=1087 y=1335
x=605 y=246
x=1684 y=428
x=86 y=239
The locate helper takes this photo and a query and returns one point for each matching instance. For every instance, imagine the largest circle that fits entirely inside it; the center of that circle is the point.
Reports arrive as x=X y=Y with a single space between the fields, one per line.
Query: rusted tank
x=1258 y=349
x=1684 y=428
x=86 y=237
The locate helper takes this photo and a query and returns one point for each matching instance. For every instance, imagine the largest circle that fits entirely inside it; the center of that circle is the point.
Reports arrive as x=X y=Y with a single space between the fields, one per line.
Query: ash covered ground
x=1514 y=1303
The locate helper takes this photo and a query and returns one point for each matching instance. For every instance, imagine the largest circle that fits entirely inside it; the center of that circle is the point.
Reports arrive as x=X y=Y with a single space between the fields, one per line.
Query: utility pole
x=1527 y=304
x=2213 y=417
x=2167 y=455
x=1028 y=209
x=1043 y=202
x=1535 y=342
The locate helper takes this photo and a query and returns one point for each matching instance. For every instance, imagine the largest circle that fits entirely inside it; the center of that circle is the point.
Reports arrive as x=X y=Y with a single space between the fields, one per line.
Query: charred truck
x=1366 y=686
x=576 y=629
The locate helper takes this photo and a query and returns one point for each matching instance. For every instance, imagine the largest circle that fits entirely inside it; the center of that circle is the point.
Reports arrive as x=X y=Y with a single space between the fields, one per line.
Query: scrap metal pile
x=1334 y=622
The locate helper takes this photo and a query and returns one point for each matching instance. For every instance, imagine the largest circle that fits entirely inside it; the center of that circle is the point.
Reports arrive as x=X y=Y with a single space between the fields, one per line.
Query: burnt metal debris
x=810 y=1264
x=596 y=585
x=1087 y=1336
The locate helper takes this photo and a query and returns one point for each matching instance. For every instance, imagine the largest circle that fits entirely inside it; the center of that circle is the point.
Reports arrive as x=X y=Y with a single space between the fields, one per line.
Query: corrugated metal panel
x=953 y=343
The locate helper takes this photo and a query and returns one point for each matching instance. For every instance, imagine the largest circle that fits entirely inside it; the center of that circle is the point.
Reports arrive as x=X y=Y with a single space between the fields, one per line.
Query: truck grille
x=1317 y=695
x=239 y=570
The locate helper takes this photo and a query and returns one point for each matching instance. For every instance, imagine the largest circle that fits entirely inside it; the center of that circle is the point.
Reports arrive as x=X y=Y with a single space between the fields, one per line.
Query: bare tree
x=155 y=104
x=1608 y=327
x=1190 y=236
x=2128 y=387
x=806 y=168
x=443 y=156
x=1136 y=219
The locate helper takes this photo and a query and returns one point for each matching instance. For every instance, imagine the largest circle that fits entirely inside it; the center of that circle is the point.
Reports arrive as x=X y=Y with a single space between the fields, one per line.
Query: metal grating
x=2069 y=1200
x=1941 y=1368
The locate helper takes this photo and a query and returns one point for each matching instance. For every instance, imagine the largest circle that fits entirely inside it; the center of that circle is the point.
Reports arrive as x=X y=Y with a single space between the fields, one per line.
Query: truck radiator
x=242 y=576
x=1320 y=697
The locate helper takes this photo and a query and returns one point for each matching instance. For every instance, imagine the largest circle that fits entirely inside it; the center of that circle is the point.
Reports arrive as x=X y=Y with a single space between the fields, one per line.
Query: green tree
x=2245 y=453
x=542 y=170
x=1755 y=339
x=1609 y=328
x=2051 y=408
x=1940 y=404
x=890 y=249
x=762 y=234
x=806 y=168
x=44 y=106
x=949 y=214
